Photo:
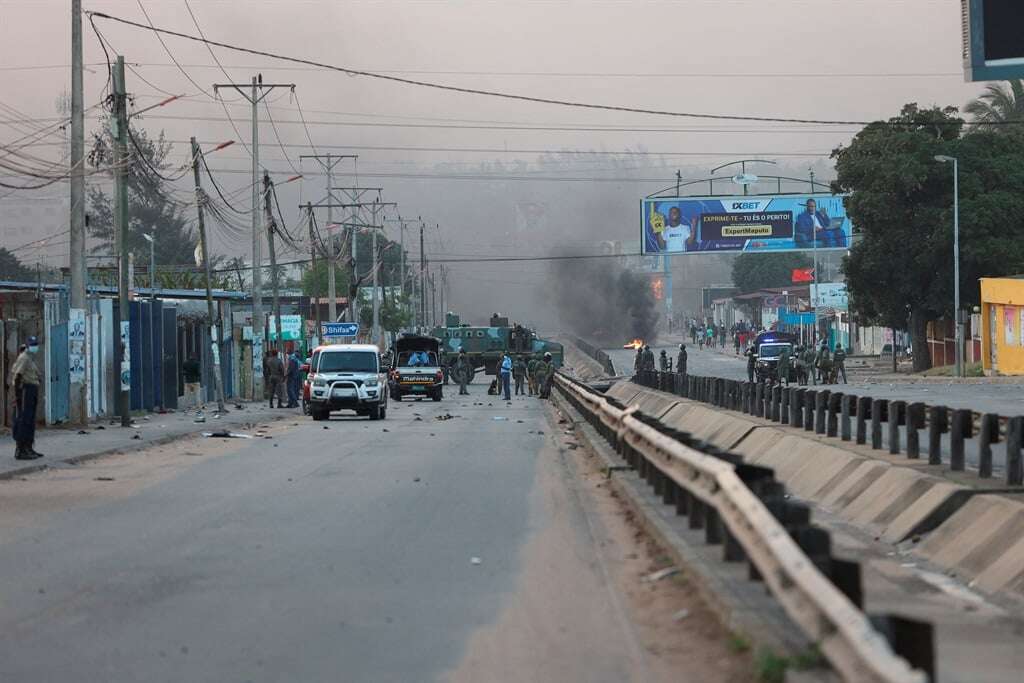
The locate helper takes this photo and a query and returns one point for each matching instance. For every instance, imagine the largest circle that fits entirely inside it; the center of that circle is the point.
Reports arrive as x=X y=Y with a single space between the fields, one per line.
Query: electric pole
x=271 y=226
x=423 y=281
x=120 y=131
x=444 y=283
x=259 y=90
x=76 y=261
x=433 y=301
x=328 y=162
x=315 y=280
x=214 y=321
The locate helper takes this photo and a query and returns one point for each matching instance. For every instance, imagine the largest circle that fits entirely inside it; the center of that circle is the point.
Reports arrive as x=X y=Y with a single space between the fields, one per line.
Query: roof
x=349 y=347
x=138 y=292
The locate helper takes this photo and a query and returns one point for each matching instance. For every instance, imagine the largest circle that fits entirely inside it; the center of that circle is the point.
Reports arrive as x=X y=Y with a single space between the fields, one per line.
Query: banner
x=291 y=327
x=830 y=295
x=770 y=223
x=803 y=275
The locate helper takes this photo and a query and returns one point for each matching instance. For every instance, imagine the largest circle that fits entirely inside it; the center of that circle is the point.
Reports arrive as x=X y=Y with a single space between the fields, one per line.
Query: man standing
x=824 y=363
x=519 y=375
x=462 y=370
x=506 y=376
x=663 y=361
x=681 y=360
x=545 y=371
x=294 y=379
x=648 y=359
x=531 y=375
x=25 y=374
x=751 y=359
x=275 y=378
x=190 y=372
x=839 y=362
x=784 y=366
x=638 y=361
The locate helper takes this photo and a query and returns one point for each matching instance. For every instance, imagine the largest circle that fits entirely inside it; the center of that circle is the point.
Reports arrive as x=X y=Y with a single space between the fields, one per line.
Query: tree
x=151 y=208
x=314 y=280
x=751 y=272
x=12 y=269
x=1000 y=104
x=395 y=313
x=900 y=203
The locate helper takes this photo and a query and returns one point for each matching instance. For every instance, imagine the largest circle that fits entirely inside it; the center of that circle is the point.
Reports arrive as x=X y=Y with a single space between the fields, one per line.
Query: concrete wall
x=1002 y=303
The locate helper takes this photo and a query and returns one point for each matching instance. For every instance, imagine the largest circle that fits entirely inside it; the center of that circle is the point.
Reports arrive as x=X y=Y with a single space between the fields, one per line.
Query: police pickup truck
x=416 y=368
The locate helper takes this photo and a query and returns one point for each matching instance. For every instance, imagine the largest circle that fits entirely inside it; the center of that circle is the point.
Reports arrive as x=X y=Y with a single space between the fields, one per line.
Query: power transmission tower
x=76 y=261
x=120 y=124
x=214 y=321
x=257 y=92
x=328 y=162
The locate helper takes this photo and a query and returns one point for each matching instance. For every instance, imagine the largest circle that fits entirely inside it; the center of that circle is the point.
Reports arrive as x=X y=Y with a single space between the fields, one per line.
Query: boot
x=33 y=452
x=24 y=453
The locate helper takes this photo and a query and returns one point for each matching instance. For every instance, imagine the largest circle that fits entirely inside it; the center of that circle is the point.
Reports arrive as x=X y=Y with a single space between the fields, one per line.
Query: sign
x=340 y=329
x=744 y=178
x=76 y=344
x=830 y=295
x=769 y=223
x=291 y=327
x=126 y=358
x=1009 y=320
x=257 y=356
x=993 y=44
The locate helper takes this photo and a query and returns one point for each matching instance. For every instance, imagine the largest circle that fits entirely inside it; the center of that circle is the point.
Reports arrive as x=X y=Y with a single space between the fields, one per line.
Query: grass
x=771 y=667
x=738 y=642
x=970 y=370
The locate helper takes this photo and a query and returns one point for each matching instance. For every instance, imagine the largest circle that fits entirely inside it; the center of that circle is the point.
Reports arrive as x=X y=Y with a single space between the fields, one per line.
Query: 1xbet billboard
x=769 y=223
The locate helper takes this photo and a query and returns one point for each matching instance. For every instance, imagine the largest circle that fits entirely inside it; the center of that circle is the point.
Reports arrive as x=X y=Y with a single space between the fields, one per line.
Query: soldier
x=25 y=375
x=681 y=360
x=638 y=361
x=784 y=366
x=546 y=372
x=519 y=375
x=531 y=375
x=751 y=360
x=462 y=370
x=824 y=363
x=275 y=376
x=648 y=358
x=810 y=364
x=839 y=362
x=663 y=361
x=798 y=365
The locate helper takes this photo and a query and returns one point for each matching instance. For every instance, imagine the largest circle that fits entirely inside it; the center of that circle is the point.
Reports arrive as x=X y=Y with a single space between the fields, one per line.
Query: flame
x=635 y=344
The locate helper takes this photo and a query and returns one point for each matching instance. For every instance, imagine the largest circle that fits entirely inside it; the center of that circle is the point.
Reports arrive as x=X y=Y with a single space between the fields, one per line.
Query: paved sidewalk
x=68 y=445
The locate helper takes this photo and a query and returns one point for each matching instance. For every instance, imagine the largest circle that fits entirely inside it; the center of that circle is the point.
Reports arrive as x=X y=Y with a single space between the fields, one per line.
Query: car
x=410 y=374
x=307 y=383
x=348 y=377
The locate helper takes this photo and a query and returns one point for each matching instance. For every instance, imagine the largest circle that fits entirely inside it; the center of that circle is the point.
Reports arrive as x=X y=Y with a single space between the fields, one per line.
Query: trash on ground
x=662 y=573
x=681 y=614
x=385 y=430
x=475 y=560
x=103 y=479
x=225 y=434
x=519 y=422
x=446 y=416
x=200 y=418
x=137 y=436
x=416 y=479
x=499 y=418
x=82 y=431
x=100 y=427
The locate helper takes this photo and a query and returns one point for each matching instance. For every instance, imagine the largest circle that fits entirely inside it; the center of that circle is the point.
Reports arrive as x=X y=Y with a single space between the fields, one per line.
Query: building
x=1002 y=308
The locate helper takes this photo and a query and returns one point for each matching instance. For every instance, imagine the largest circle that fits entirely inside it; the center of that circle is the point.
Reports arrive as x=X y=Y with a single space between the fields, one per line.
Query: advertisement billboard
x=770 y=223
x=830 y=295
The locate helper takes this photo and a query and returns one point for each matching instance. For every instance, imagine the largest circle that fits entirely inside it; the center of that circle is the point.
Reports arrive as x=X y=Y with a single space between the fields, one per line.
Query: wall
x=1001 y=342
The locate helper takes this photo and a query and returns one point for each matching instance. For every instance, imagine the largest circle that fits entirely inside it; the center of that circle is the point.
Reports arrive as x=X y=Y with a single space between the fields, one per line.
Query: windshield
x=348 y=361
x=772 y=351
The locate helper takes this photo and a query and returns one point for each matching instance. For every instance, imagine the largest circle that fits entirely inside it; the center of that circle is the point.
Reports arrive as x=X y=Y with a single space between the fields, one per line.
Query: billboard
x=993 y=44
x=830 y=295
x=769 y=223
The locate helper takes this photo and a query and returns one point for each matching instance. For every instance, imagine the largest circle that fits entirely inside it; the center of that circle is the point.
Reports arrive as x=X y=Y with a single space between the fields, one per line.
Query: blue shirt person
x=813 y=225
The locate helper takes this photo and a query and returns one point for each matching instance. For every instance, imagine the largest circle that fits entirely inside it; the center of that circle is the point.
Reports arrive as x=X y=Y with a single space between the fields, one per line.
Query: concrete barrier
x=624 y=391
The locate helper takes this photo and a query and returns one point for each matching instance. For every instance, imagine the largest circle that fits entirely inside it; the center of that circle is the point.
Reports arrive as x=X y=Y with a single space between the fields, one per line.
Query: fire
x=635 y=344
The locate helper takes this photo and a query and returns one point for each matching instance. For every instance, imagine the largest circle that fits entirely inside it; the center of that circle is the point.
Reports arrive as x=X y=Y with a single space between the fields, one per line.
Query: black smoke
x=598 y=299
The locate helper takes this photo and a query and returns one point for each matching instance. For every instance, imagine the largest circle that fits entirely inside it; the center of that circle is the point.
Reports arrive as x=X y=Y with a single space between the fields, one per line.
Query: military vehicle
x=768 y=347
x=484 y=345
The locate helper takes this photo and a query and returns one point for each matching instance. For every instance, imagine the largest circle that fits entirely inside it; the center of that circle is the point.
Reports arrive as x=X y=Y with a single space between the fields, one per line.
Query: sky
x=849 y=60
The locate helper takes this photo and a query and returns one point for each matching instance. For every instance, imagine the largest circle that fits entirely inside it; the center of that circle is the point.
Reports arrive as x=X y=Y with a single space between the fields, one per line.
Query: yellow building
x=1002 y=329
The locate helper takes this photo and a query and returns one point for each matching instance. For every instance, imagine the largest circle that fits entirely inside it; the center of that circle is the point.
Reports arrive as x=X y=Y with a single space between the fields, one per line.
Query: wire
x=302 y=118
x=279 y=142
x=493 y=93
x=220 y=193
x=168 y=51
x=153 y=169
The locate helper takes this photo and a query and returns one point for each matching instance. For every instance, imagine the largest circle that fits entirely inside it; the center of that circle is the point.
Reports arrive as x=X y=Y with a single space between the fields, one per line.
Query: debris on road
x=225 y=434
x=475 y=560
x=416 y=479
x=103 y=479
x=681 y=614
x=82 y=431
x=662 y=573
x=499 y=418
x=137 y=436
x=445 y=416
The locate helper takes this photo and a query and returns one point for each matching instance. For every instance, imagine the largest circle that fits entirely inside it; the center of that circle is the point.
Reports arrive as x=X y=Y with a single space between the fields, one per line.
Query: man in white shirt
x=677 y=234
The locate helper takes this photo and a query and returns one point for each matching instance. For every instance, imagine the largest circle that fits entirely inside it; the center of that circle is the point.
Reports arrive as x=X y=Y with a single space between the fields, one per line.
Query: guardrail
x=597 y=354
x=742 y=507
x=861 y=418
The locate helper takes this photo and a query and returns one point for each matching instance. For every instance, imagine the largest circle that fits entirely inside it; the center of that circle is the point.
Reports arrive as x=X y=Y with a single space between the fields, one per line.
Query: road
x=344 y=551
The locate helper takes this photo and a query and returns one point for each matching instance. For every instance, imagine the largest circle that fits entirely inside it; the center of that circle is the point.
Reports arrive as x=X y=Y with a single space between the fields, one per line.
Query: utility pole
x=214 y=322
x=76 y=262
x=814 y=296
x=433 y=301
x=423 y=281
x=354 y=202
x=444 y=285
x=374 y=209
x=315 y=280
x=271 y=226
x=328 y=162
x=119 y=124
x=258 y=91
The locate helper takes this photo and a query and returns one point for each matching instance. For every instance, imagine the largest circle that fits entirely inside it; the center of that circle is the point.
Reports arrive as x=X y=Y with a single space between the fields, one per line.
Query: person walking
x=824 y=363
x=462 y=370
x=25 y=379
x=711 y=336
x=190 y=373
x=810 y=364
x=506 y=376
x=519 y=375
x=275 y=378
x=839 y=362
x=293 y=379
x=681 y=360
x=737 y=339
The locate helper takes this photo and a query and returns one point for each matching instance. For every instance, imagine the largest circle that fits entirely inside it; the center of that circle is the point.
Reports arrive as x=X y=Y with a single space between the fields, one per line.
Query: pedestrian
x=519 y=375
x=547 y=373
x=266 y=376
x=506 y=376
x=293 y=379
x=751 y=359
x=648 y=359
x=638 y=361
x=737 y=339
x=25 y=379
x=681 y=360
x=462 y=370
x=839 y=362
x=663 y=361
x=784 y=366
x=711 y=336
x=721 y=336
x=275 y=378
x=531 y=375
x=190 y=373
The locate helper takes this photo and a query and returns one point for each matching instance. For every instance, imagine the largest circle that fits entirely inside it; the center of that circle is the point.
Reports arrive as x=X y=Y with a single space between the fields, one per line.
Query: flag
x=803 y=275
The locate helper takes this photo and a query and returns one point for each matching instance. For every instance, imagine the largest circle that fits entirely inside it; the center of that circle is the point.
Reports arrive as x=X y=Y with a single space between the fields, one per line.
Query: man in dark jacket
x=751 y=360
x=681 y=360
x=275 y=378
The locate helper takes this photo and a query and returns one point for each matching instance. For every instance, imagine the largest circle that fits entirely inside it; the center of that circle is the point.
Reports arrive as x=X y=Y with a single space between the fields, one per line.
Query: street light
x=152 y=308
x=942 y=158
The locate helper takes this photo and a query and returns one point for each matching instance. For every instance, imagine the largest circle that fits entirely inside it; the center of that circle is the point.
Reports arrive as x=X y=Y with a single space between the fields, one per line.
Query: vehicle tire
x=384 y=410
x=319 y=414
x=375 y=412
x=437 y=395
x=396 y=397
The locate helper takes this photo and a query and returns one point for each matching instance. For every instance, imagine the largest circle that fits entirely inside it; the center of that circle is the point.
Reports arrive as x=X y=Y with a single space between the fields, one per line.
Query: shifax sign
x=771 y=223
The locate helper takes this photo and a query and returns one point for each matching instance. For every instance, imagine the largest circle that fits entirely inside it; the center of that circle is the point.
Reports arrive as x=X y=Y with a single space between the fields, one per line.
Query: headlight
x=319 y=382
x=371 y=382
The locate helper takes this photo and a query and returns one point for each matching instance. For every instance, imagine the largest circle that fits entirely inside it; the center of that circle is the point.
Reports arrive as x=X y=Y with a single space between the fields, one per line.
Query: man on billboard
x=814 y=225
x=678 y=235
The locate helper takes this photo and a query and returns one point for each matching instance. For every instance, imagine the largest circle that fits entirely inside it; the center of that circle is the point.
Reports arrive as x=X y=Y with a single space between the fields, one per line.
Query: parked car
x=348 y=377
x=415 y=367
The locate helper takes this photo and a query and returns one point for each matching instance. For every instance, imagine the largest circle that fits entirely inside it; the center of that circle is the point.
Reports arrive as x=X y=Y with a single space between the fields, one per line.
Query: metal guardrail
x=711 y=490
x=858 y=418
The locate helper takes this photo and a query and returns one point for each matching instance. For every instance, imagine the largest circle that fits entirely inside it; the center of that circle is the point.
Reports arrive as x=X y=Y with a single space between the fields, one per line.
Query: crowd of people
x=713 y=335
x=809 y=364
x=282 y=378
x=531 y=376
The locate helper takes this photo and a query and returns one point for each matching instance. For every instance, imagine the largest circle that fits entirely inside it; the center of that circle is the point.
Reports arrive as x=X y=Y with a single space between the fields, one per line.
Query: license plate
x=343 y=393
x=418 y=387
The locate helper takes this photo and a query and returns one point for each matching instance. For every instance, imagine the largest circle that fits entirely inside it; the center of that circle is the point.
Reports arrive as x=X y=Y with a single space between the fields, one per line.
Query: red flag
x=803 y=275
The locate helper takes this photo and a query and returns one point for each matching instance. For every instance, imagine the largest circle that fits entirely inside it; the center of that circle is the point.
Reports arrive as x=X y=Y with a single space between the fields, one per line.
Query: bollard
x=844 y=416
x=1014 y=468
x=776 y=400
x=896 y=413
x=959 y=429
x=834 y=401
x=863 y=413
x=759 y=400
x=845 y=574
x=744 y=397
x=915 y=420
x=810 y=399
x=988 y=435
x=878 y=408
x=937 y=426
x=784 y=396
x=821 y=400
x=713 y=529
x=796 y=398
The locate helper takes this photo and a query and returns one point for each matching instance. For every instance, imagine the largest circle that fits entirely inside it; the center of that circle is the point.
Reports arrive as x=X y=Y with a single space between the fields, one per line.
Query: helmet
x=682 y=346
x=547 y=355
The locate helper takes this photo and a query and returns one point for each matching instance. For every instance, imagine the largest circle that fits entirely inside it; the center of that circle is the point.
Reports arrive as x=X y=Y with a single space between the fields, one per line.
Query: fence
x=887 y=424
x=595 y=353
x=744 y=509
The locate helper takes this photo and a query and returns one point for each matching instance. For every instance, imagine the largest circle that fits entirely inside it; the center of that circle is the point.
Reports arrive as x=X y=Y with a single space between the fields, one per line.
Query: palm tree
x=998 y=105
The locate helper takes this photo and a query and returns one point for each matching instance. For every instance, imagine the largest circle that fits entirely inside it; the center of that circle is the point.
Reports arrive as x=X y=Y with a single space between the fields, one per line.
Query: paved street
x=337 y=553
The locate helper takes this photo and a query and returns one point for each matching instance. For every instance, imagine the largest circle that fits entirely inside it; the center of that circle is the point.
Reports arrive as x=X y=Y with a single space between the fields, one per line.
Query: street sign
x=340 y=329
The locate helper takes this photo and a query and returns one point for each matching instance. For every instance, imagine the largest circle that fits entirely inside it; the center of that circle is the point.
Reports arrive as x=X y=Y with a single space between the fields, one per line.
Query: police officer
x=638 y=361
x=681 y=360
x=663 y=361
x=810 y=364
x=546 y=371
x=784 y=366
x=519 y=375
x=648 y=358
x=531 y=375
x=25 y=374
x=751 y=360
x=462 y=370
x=824 y=362
x=275 y=373
x=839 y=362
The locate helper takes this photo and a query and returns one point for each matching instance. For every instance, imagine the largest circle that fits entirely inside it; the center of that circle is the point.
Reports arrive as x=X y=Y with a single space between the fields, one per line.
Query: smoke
x=600 y=300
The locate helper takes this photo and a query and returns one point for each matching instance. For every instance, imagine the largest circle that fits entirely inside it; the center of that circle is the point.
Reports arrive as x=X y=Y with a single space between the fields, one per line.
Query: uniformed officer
x=546 y=371
x=839 y=362
x=784 y=366
x=462 y=370
x=681 y=360
x=531 y=375
x=25 y=374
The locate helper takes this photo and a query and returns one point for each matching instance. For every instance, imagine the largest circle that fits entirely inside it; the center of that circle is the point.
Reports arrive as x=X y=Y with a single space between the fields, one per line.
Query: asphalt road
x=319 y=554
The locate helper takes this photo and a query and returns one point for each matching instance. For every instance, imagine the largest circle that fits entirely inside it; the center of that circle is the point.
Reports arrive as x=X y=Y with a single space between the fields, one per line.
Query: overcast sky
x=820 y=59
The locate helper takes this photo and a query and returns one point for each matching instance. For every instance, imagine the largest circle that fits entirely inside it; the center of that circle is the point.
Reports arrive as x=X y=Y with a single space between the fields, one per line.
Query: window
x=348 y=361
